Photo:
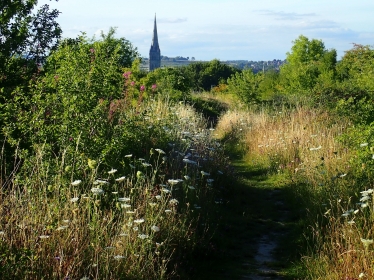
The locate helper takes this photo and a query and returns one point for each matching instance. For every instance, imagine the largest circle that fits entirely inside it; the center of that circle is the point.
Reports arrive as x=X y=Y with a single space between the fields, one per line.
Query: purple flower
x=142 y=88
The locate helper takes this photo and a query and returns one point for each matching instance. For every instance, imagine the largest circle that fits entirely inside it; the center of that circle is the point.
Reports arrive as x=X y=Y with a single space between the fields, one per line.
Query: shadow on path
x=259 y=230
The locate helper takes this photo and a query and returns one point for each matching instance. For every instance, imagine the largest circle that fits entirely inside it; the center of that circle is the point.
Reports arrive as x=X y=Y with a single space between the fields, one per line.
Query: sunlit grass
x=305 y=144
x=136 y=220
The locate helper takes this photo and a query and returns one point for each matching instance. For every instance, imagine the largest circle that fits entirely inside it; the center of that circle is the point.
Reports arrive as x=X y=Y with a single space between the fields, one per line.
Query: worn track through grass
x=259 y=232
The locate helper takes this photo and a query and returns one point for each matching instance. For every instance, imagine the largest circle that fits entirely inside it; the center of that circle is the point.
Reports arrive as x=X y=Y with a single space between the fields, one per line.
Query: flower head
x=142 y=88
x=76 y=183
x=127 y=74
x=155 y=228
x=112 y=171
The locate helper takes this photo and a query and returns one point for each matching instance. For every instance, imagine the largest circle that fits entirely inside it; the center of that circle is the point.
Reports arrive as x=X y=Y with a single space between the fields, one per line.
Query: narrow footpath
x=259 y=231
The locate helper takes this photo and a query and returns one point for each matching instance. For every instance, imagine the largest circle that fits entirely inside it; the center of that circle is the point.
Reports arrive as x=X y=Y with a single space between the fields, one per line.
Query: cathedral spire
x=155 y=37
x=154 y=52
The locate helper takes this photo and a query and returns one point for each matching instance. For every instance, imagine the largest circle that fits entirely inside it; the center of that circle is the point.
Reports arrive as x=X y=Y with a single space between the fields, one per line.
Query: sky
x=222 y=29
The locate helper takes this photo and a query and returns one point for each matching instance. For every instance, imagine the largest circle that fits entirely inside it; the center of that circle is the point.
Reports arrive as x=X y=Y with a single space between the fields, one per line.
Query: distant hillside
x=256 y=66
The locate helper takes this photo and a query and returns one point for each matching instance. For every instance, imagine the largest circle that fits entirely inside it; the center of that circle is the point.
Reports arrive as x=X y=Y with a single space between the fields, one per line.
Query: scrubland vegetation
x=109 y=172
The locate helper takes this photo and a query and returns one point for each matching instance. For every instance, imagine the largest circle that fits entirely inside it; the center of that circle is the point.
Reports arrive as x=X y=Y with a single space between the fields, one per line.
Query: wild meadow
x=110 y=172
x=328 y=166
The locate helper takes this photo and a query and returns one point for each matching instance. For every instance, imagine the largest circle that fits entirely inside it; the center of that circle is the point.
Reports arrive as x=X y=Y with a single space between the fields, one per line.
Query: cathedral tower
x=154 y=52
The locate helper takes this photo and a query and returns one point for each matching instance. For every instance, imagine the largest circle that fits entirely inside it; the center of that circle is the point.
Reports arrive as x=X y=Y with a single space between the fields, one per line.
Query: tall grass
x=141 y=219
x=305 y=144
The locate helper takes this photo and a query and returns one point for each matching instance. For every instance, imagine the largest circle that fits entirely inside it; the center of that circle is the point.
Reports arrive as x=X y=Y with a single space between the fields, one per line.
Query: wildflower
x=160 y=151
x=124 y=199
x=74 y=199
x=361 y=275
x=112 y=171
x=76 y=183
x=124 y=205
x=127 y=74
x=44 y=236
x=155 y=228
x=97 y=191
x=143 y=236
x=154 y=87
x=62 y=228
x=364 y=144
x=173 y=182
x=118 y=257
x=139 y=221
x=346 y=214
x=173 y=201
x=142 y=88
x=100 y=182
x=366 y=242
x=205 y=173
x=364 y=198
x=132 y=83
x=367 y=192
x=120 y=179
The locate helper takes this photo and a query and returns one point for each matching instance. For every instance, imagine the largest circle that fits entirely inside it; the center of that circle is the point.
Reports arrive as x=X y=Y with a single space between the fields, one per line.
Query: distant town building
x=154 y=52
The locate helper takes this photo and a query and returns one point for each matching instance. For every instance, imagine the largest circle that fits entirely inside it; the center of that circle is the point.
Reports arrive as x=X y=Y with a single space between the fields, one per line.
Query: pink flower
x=142 y=88
x=127 y=74
x=92 y=50
x=154 y=86
x=132 y=83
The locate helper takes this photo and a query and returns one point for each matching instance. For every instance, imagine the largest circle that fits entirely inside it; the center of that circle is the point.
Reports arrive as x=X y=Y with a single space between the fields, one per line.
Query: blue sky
x=223 y=29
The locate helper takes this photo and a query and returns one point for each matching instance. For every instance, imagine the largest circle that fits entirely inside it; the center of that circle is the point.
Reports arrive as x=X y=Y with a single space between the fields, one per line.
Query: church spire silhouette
x=154 y=52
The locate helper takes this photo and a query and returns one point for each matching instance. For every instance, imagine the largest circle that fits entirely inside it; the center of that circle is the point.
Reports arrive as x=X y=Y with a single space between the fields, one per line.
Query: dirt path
x=258 y=232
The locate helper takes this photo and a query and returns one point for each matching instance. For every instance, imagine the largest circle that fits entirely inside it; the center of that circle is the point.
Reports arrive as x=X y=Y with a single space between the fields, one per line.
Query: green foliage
x=308 y=64
x=168 y=81
x=26 y=40
x=205 y=75
x=245 y=85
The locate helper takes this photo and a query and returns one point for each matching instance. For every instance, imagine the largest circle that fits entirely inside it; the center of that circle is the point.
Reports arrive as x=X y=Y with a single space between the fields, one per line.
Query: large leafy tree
x=308 y=64
x=26 y=38
x=204 y=75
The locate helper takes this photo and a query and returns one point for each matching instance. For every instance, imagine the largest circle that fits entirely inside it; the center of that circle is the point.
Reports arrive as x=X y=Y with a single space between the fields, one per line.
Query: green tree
x=204 y=75
x=25 y=41
x=246 y=85
x=307 y=61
